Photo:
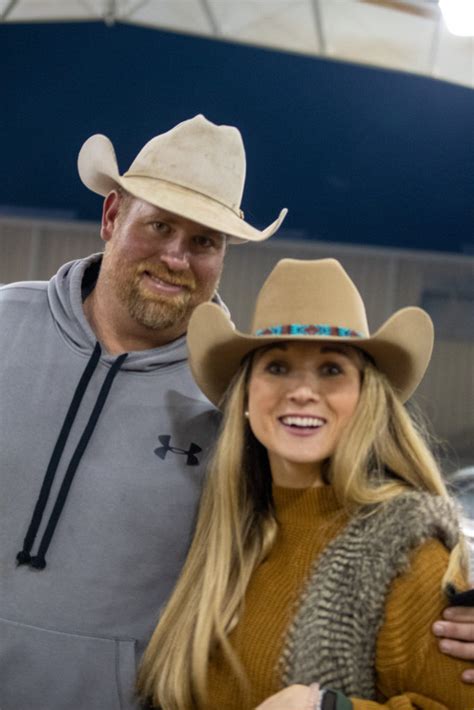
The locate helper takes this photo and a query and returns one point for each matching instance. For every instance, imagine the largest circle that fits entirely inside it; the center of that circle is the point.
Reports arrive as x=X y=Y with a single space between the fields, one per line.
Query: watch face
x=328 y=700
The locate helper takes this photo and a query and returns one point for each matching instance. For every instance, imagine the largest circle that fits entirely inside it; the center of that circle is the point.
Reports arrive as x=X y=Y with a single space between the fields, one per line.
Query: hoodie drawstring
x=24 y=556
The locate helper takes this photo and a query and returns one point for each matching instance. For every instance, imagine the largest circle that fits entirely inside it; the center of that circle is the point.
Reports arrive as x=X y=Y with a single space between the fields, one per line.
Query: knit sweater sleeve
x=411 y=671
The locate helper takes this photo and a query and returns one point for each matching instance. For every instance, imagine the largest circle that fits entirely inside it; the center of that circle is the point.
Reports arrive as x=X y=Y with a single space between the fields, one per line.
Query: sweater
x=410 y=672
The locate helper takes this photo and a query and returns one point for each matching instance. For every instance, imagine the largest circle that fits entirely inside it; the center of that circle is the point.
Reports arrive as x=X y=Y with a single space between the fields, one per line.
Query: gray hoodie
x=103 y=550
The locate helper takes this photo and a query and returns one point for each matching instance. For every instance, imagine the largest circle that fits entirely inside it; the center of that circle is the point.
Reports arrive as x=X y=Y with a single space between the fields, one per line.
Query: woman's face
x=300 y=398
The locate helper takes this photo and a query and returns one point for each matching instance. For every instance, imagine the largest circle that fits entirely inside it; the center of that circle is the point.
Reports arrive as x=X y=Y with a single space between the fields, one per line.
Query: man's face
x=159 y=265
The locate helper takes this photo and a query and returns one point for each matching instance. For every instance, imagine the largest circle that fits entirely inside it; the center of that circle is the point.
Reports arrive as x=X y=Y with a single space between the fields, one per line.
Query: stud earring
x=246 y=414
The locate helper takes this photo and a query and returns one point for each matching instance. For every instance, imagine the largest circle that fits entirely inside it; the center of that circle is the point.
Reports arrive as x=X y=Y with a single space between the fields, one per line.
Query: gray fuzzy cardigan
x=333 y=637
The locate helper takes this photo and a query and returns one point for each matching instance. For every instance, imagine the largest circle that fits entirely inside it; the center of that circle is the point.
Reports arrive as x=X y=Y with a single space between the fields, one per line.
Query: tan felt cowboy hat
x=196 y=170
x=309 y=301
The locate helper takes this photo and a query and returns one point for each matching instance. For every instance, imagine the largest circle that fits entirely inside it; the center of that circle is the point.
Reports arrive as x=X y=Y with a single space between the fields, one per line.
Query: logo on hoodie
x=191 y=460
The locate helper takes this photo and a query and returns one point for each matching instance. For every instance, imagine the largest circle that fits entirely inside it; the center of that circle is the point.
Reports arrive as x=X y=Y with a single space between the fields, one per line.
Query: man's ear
x=110 y=211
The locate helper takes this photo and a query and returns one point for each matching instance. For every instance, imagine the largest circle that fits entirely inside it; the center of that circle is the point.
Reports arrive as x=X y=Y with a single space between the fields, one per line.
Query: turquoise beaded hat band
x=311 y=329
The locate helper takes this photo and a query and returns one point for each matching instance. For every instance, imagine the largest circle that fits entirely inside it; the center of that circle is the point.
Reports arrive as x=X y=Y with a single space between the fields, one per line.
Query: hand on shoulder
x=456 y=635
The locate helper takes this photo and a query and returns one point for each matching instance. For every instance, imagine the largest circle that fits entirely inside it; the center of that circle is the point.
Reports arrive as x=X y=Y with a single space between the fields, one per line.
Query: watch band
x=333 y=700
x=322 y=693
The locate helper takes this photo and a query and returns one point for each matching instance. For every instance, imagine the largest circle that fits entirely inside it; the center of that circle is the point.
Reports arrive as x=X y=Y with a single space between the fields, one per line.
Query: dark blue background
x=358 y=154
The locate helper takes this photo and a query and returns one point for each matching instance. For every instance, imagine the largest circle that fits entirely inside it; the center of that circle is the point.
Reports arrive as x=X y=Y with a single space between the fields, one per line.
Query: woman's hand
x=456 y=633
x=295 y=697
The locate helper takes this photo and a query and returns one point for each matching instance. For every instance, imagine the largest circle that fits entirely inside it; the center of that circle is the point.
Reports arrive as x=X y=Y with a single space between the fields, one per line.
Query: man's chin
x=158 y=312
x=157 y=317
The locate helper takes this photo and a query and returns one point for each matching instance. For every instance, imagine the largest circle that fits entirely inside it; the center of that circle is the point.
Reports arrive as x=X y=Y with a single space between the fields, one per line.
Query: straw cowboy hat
x=196 y=170
x=309 y=301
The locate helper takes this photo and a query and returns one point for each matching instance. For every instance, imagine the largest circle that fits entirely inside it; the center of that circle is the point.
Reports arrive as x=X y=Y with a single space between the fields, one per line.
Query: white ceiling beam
x=8 y=9
x=139 y=5
x=90 y=8
x=110 y=12
x=319 y=26
x=434 y=47
x=211 y=18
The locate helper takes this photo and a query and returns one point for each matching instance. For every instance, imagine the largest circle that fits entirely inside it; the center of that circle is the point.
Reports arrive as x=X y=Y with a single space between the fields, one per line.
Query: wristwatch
x=322 y=693
x=333 y=700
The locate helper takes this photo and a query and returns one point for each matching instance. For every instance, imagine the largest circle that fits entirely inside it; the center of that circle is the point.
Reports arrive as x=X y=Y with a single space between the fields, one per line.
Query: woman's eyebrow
x=335 y=349
x=272 y=346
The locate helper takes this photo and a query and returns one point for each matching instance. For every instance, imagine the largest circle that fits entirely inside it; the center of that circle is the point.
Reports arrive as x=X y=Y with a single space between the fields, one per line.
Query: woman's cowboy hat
x=309 y=301
x=196 y=170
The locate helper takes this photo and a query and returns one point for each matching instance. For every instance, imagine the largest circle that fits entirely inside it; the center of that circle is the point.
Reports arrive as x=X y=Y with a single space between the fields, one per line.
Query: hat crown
x=196 y=170
x=317 y=292
x=198 y=155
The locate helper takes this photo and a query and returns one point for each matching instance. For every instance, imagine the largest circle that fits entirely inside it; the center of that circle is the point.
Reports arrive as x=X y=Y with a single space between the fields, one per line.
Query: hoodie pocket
x=53 y=670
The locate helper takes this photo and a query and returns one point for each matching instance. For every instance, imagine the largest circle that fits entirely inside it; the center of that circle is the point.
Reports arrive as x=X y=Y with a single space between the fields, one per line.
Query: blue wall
x=357 y=154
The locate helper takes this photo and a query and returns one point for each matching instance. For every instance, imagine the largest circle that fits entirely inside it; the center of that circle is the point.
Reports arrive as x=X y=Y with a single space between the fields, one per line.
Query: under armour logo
x=192 y=459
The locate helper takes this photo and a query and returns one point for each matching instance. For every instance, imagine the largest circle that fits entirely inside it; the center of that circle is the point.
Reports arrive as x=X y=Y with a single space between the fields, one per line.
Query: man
x=103 y=433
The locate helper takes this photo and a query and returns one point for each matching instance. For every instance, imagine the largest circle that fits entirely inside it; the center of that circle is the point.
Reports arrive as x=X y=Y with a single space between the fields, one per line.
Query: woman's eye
x=331 y=369
x=276 y=368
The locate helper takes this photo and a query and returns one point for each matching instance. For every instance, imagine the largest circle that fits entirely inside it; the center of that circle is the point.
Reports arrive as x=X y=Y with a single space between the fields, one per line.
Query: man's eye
x=204 y=242
x=161 y=227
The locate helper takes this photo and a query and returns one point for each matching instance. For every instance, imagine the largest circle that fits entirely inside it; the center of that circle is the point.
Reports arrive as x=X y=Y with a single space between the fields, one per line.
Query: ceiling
x=405 y=35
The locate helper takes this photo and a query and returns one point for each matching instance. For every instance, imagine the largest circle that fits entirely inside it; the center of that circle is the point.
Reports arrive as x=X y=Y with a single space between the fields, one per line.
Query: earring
x=246 y=414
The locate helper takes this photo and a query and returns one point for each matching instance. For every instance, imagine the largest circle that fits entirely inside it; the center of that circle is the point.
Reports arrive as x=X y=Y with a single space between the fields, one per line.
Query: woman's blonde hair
x=381 y=454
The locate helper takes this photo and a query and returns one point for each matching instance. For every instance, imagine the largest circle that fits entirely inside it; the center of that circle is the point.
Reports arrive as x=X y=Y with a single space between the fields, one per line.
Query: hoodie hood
x=66 y=295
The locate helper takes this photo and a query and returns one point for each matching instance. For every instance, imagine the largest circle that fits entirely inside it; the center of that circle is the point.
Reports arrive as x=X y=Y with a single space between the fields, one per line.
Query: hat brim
x=401 y=348
x=98 y=170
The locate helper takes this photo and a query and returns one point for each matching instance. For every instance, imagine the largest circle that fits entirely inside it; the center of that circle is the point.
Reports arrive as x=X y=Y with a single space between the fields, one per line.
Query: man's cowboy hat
x=196 y=170
x=309 y=301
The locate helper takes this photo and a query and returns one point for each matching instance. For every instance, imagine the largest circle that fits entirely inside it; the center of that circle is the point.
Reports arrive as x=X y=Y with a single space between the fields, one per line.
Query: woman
x=326 y=543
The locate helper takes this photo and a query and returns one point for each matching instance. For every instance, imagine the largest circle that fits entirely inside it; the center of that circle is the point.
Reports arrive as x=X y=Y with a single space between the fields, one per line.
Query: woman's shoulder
x=410 y=519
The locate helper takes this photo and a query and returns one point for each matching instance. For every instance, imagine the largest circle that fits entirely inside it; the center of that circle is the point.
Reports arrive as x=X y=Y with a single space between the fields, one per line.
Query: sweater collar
x=304 y=505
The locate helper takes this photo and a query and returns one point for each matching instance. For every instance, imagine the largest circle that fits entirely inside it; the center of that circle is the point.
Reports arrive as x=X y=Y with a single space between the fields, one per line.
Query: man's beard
x=154 y=310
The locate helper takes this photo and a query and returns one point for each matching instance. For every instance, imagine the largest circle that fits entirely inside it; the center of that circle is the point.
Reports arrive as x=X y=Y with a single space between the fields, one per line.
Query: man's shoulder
x=16 y=286
x=23 y=291
x=23 y=300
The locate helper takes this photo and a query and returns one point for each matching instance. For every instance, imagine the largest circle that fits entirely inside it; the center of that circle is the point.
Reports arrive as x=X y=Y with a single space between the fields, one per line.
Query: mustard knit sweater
x=411 y=672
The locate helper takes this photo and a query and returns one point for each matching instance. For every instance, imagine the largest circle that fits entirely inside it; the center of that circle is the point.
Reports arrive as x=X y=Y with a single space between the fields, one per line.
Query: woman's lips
x=301 y=424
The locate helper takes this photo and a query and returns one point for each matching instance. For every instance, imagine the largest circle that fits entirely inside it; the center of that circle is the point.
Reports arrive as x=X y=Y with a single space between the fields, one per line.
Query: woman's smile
x=302 y=424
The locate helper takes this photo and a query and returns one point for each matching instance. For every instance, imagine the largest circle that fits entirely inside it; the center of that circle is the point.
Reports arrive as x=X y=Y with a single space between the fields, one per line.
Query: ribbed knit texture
x=308 y=519
x=407 y=654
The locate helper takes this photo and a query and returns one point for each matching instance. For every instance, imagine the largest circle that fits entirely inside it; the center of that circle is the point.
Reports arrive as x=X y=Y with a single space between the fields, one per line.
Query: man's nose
x=174 y=252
